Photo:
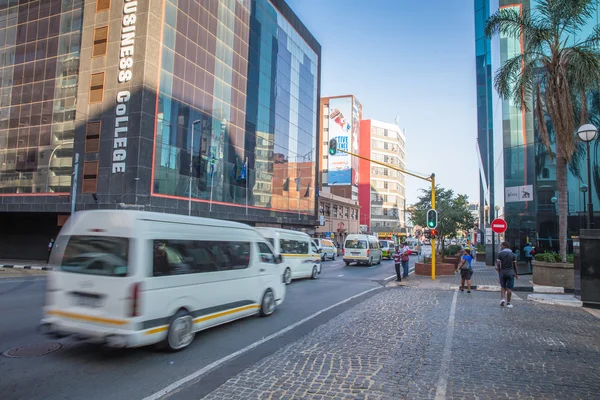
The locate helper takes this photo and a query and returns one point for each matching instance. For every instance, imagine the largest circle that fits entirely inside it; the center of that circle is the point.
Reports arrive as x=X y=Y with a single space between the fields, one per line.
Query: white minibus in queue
x=362 y=249
x=299 y=253
x=133 y=278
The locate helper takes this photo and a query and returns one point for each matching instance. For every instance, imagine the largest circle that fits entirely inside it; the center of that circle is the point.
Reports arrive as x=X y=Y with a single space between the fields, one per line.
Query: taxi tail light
x=368 y=253
x=135 y=299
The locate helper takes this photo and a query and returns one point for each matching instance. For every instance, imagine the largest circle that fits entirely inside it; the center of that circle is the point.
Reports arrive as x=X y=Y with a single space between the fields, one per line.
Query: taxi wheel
x=267 y=306
x=181 y=331
x=370 y=263
x=315 y=273
x=287 y=276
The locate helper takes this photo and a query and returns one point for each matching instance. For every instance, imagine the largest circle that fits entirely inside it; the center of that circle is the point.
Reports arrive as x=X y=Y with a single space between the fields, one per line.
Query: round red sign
x=499 y=225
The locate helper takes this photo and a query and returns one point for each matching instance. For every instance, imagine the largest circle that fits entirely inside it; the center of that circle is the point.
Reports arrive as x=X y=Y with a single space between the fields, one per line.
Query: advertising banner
x=354 y=142
x=340 y=128
x=518 y=193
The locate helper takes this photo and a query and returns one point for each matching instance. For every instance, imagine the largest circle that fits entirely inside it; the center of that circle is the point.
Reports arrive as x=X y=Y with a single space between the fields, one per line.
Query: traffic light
x=332 y=147
x=433 y=233
x=432 y=219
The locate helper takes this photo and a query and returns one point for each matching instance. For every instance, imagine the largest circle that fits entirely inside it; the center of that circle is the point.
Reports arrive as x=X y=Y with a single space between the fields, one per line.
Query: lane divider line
x=442 y=384
x=214 y=365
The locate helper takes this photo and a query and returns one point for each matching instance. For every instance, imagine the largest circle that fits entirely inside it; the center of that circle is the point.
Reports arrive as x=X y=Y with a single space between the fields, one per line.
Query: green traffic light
x=332 y=147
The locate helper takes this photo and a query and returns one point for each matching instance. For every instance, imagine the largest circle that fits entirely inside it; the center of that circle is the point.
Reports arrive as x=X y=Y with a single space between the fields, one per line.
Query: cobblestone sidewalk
x=483 y=275
x=391 y=346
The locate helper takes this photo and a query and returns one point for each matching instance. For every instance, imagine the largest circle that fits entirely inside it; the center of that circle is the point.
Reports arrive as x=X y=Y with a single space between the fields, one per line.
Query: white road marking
x=9 y=280
x=341 y=275
x=442 y=384
x=246 y=349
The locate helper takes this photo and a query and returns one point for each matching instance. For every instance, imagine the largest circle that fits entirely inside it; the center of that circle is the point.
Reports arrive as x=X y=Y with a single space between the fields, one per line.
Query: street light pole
x=587 y=133
x=50 y=161
x=191 y=159
x=590 y=210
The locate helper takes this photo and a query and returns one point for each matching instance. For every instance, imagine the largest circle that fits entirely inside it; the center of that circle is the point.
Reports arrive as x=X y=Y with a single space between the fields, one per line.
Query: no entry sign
x=499 y=225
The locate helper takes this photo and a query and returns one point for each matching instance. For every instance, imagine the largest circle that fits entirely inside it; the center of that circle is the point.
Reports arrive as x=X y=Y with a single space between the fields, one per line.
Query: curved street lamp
x=587 y=133
x=50 y=160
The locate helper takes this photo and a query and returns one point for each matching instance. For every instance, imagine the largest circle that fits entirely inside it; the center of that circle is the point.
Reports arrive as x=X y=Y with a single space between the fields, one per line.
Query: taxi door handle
x=262 y=270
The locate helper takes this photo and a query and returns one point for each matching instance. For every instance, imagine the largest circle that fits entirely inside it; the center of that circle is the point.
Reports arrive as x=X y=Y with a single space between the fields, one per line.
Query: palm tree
x=553 y=76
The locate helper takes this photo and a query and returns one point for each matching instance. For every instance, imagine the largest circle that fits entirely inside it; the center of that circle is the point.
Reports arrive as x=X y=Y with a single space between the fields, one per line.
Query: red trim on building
x=364 y=180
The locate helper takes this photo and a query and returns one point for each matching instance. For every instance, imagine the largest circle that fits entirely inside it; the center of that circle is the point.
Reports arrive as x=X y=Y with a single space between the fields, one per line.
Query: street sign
x=499 y=225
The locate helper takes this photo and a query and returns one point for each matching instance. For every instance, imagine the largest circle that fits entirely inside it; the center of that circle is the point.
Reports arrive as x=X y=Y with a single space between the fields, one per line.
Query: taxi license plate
x=89 y=301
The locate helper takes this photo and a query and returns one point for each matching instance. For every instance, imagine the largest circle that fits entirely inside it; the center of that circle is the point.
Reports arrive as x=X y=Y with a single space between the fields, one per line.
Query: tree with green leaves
x=553 y=75
x=453 y=212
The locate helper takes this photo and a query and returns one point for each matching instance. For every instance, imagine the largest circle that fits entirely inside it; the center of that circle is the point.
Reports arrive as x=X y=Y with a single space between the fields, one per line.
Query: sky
x=411 y=59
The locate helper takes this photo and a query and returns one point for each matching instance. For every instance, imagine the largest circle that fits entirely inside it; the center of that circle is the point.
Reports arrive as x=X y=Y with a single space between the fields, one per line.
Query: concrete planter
x=553 y=274
x=480 y=257
x=440 y=269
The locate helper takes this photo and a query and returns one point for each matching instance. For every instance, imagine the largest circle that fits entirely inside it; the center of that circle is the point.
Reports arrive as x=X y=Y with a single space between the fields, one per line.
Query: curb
x=547 y=299
x=32 y=267
x=531 y=289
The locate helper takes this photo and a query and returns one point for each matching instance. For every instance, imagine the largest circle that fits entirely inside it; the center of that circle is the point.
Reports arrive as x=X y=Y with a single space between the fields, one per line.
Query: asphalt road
x=80 y=370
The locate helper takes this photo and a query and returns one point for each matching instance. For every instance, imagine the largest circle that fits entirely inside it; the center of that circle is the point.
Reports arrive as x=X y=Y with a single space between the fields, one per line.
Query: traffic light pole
x=431 y=178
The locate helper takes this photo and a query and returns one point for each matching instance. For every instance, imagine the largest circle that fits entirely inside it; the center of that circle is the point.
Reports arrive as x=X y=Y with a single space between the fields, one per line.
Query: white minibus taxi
x=299 y=253
x=133 y=278
x=362 y=249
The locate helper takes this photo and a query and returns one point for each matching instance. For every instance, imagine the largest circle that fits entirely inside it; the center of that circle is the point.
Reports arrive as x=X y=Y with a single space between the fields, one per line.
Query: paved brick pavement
x=482 y=275
x=392 y=345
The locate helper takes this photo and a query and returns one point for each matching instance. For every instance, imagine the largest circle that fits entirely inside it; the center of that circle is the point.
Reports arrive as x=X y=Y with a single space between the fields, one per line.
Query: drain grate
x=32 y=350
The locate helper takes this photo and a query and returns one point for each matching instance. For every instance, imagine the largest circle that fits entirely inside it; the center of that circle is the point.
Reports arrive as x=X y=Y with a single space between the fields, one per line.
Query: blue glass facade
x=40 y=44
x=240 y=82
x=525 y=161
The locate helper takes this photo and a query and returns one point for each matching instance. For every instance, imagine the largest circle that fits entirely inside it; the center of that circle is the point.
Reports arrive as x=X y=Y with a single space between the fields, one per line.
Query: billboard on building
x=340 y=128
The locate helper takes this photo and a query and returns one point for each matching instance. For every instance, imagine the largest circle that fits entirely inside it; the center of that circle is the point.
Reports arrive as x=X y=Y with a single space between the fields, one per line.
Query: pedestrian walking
x=507 y=270
x=528 y=255
x=50 y=246
x=404 y=252
x=466 y=270
x=397 y=261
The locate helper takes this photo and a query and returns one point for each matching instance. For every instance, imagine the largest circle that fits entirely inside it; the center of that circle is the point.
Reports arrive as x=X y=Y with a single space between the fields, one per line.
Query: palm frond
x=566 y=15
x=592 y=42
x=511 y=23
x=508 y=75
x=576 y=161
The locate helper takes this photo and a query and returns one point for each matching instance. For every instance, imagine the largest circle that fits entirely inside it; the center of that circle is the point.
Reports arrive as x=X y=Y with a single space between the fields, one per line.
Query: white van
x=362 y=249
x=327 y=248
x=300 y=255
x=414 y=245
x=132 y=278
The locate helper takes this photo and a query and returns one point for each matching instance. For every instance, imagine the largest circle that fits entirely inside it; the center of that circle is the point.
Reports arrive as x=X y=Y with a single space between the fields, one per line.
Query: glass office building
x=525 y=176
x=153 y=105
x=245 y=82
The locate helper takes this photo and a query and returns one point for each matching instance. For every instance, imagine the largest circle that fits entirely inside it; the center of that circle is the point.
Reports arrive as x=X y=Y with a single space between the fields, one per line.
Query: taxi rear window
x=92 y=255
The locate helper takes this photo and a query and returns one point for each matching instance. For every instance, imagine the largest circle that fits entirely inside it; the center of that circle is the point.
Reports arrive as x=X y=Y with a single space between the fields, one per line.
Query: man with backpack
x=507 y=270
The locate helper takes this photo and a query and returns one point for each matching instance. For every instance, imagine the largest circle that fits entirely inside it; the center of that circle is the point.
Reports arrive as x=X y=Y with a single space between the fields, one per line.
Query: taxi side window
x=266 y=255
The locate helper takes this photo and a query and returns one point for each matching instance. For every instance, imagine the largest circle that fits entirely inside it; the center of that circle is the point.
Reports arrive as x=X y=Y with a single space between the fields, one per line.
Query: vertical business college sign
x=125 y=74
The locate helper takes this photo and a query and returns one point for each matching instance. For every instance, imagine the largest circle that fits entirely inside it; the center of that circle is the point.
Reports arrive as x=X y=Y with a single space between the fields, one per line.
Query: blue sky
x=411 y=59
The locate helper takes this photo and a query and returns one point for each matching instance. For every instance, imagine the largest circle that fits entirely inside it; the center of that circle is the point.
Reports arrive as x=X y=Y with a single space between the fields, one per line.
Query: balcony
x=60 y=181
x=61 y=162
x=17 y=180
